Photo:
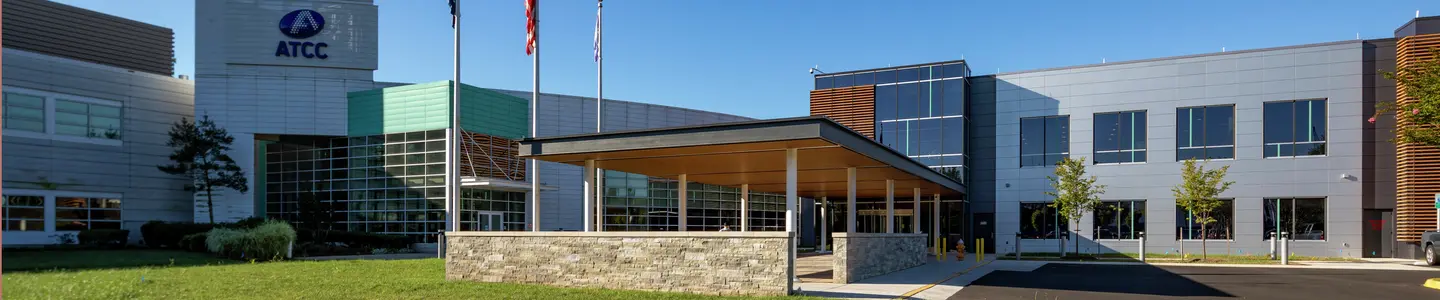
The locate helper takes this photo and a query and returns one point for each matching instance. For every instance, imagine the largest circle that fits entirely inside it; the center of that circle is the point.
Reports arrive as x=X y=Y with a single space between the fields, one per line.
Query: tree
x=1420 y=114
x=1198 y=193
x=1074 y=193
x=200 y=154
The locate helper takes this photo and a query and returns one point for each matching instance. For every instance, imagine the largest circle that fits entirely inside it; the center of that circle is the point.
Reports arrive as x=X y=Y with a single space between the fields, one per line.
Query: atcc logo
x=302 y=24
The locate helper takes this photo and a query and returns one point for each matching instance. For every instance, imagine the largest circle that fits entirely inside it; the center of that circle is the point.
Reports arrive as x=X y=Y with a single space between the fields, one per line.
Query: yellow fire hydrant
x=960 y=249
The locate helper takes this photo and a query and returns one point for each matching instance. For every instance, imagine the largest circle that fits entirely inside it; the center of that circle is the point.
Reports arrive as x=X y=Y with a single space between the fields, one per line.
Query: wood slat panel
x=491 y=156
x=1417 y=166
x=853 y=107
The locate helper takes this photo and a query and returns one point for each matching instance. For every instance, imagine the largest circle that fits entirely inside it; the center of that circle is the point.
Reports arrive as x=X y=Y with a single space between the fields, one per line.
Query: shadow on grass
x=75 y=260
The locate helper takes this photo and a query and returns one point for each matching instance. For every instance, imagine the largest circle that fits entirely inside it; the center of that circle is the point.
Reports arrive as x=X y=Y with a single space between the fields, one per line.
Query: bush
x=108 y=238
x=194 y=242
x=246 y=223
x=354 y=239
x=161 y=234
x=269 y=241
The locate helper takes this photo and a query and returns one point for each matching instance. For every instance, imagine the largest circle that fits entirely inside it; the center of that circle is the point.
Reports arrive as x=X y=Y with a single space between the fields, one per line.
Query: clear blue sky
x=749 y=57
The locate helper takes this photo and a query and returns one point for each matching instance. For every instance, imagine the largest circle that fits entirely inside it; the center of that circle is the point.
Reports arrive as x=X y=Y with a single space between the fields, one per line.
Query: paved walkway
x=934 y=280
x=943 y=279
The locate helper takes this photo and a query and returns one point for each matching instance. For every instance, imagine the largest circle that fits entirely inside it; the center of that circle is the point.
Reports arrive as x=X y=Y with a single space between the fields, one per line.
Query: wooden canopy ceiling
x=752 y=152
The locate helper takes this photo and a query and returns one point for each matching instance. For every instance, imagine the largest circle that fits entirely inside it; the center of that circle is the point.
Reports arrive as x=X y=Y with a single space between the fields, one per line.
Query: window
x=1040 y=221
x=76 y=213
x=1295 y=128
x=24 y=112
x=1120 y=220
x=1303 y=218
x=24 y=213
x=1120 y=137
x=1187 y=224
x=1044 y=140
x=87 y=120
x=1206 y=132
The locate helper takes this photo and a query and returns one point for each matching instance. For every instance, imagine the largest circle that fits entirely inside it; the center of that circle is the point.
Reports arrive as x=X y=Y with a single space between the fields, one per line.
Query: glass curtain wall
x=391 y=183
x=920 y=112
x=635 y=202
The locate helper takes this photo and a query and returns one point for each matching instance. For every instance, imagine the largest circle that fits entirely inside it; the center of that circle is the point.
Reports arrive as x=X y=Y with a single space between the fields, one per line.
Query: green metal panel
x=426 y=106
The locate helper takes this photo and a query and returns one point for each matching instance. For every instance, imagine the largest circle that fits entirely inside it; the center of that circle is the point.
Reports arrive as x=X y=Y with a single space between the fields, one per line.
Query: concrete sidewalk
x=933 y=280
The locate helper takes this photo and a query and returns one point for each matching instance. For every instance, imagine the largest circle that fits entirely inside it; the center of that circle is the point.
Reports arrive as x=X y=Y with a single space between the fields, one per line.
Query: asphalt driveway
x=1117 y=282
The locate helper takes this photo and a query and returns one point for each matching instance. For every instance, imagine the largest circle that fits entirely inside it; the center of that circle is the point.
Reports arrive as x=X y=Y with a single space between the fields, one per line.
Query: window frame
x=1232 y=223
x=1062 y=228
x=1325 y=143
x=1095 y=226
x=1234 y=133
x=1096 y=153
x=51 y=220
x=50 y=121
x=1325 y=215
x=1044 y=140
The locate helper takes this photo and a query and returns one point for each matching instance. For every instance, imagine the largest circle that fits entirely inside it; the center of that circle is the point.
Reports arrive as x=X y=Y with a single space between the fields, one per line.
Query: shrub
x=269 y=241
x=161 y=234
x=108 y=238
x=246 y=223
x=194 y=242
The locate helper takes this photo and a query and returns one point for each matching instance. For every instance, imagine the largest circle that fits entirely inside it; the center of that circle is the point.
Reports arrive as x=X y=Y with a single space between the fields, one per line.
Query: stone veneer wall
x=714 y=263
x=864 y=255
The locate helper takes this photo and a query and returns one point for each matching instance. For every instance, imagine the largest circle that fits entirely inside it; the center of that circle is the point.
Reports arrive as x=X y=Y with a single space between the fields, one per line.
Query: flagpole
x=592 y=209
x=452 y=203
x=534 y=109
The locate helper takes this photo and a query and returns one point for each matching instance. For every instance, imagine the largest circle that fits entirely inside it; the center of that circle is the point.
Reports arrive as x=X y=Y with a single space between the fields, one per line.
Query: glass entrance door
x=488 y=221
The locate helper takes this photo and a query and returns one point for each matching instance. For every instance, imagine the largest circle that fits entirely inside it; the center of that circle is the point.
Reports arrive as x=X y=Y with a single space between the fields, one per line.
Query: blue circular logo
x=302 y=23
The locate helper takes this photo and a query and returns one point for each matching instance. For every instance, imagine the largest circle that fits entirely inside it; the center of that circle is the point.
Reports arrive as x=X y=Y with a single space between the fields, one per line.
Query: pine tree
x=200 y=154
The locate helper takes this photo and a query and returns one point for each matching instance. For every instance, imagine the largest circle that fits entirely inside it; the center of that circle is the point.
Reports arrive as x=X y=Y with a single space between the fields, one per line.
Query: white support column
x=745 y=207
x=915 y=213
x=850 y=221
x=824 y=221
x=589 y=205
x=792 y=197
x=684 y=198
x=889 y=206
x=935 y=220
x=599 y=212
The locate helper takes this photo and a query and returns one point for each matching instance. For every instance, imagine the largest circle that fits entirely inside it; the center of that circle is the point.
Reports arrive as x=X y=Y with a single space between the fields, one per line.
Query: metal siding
x=76 y=33
x=1159 y=87
x=150 y=104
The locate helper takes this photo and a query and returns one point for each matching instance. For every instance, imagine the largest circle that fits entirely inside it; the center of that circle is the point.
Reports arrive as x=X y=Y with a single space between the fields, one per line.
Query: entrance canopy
x=753 y=153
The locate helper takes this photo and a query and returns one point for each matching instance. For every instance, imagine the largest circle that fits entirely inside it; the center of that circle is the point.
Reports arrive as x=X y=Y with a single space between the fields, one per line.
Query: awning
x=754 y=153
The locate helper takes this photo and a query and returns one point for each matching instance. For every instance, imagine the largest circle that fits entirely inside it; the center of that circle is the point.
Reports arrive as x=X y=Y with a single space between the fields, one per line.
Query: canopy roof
x=751 y=152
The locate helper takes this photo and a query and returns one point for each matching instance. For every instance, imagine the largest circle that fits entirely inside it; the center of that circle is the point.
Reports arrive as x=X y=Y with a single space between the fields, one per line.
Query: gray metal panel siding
x=67 y=31
x=567 y=115
x=151 y=104
x=1332 y=71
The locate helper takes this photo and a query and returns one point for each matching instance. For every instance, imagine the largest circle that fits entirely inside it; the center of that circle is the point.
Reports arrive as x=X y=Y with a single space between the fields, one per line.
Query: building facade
x=1288 y=122
x=85 y=124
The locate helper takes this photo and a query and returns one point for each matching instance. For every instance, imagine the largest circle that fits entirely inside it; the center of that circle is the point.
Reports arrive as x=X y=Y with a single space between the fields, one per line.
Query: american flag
x=599 y=4
x=531 y=22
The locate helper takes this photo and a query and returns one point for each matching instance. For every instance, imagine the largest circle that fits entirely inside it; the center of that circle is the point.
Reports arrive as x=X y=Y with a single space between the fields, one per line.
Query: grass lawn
x=1176 y=258
x=362 y=279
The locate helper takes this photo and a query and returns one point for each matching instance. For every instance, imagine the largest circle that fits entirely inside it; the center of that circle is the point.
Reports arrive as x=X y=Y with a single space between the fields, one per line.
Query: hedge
x=354 y=239
x=269 y=241
x=109 y=238
x=194 y=242
x=161 y=234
